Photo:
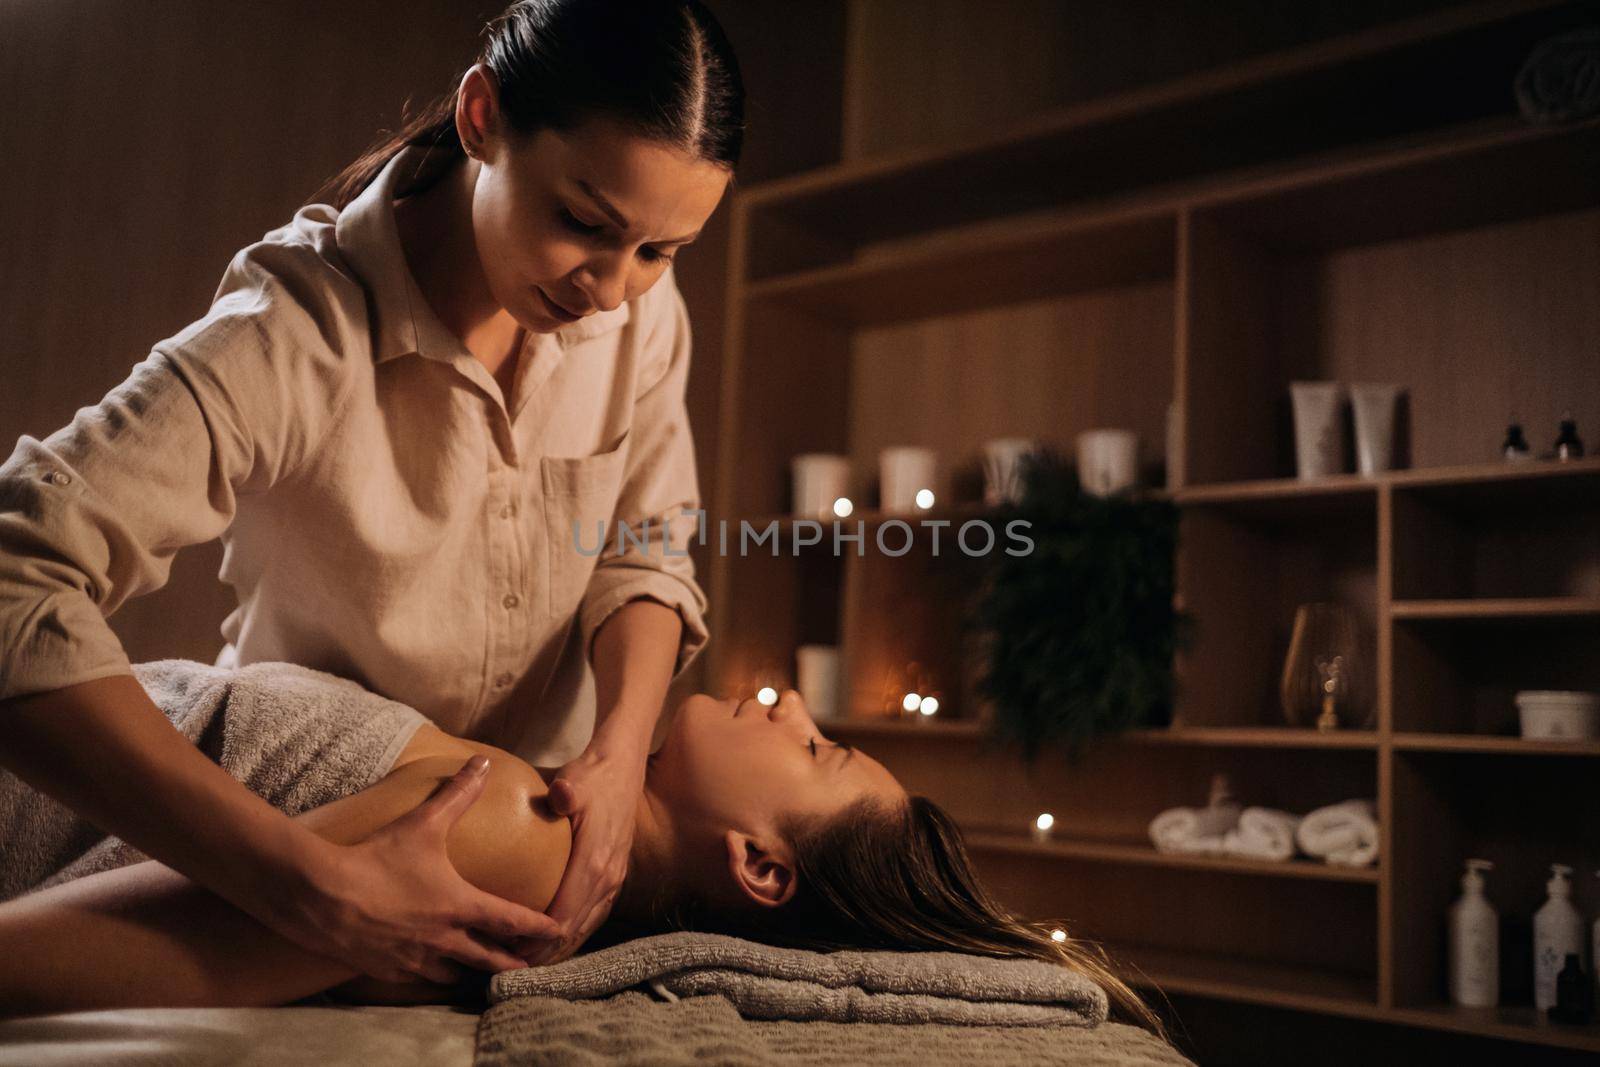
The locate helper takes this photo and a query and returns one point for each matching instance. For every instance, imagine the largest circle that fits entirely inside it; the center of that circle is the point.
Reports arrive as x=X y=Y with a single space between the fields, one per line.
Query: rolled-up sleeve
x=660 y=488
x=94 y=514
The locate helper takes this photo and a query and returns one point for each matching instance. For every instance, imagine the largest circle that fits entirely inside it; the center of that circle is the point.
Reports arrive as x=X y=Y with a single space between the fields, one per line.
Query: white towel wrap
x=1262 y=833
x=1344 y=833
x=1183 y=830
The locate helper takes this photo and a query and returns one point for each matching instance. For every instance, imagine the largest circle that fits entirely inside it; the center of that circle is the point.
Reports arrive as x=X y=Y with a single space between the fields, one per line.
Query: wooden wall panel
x=146 y=144
x=923 y=73
x=1047 y=369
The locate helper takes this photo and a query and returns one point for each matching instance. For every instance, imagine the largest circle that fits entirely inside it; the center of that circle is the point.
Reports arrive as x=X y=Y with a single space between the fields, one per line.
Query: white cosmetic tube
x=1374 y=404
x=1318 y=428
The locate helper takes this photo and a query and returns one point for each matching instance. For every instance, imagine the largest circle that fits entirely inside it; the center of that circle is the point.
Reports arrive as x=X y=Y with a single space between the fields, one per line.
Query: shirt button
x=511 y=600
x=60 y=478
x=508 y=511
x=502 y=681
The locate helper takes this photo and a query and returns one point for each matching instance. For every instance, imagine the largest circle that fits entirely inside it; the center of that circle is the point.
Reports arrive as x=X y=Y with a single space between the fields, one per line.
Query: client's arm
x=145 y=935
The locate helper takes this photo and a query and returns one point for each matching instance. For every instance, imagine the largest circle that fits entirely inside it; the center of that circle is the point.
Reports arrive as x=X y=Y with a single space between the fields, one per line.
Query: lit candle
x=910 y=702
x=928 y=706
x=843 y=507
x=1042 y=825
x=924 y=499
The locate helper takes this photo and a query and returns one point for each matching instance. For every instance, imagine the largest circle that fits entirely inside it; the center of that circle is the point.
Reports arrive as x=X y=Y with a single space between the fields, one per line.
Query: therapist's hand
x=393 y=905
x=599 y=791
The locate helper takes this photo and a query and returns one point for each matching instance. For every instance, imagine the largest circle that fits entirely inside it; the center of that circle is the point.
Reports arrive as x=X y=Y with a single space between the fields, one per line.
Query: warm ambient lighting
x=1042 y=825
x=1058 y=935
x=924 y=498
x=843 y=507
x=767 y=696
x=910 y=702
x=929 y=705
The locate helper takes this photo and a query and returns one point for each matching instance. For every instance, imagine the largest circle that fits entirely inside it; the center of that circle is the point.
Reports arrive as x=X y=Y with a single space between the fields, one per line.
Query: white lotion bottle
x=1474 y=943
x=1557 y=930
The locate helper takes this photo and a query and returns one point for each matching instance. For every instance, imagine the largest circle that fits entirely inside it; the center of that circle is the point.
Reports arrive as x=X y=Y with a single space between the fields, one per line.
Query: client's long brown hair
x=877 y=876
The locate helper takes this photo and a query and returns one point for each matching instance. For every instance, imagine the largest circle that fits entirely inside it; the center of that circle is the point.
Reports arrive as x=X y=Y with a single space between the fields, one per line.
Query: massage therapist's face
x=741 y=765
x=586 y=219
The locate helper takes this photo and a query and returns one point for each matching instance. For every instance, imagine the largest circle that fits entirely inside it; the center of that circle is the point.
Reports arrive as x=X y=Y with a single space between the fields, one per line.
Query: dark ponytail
x=662 y=69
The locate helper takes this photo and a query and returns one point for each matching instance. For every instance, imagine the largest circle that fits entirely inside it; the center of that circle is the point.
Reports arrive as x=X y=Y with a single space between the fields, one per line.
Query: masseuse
x=395 y=411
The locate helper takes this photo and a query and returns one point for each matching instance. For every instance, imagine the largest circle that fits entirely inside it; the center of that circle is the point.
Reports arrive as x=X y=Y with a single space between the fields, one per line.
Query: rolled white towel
x=1344 y=833
x=1262 y=833
x=1179 y=830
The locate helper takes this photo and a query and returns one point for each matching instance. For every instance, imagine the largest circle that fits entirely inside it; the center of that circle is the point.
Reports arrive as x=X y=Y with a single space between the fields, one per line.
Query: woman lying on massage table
x=750 y=823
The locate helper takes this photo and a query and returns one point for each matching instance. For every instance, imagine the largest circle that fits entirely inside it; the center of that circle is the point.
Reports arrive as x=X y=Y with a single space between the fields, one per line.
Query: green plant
x=1079 y=633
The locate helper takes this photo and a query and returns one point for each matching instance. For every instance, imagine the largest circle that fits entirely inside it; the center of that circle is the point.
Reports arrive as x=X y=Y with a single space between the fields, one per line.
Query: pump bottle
x=1557 y=930
x=1474 y=943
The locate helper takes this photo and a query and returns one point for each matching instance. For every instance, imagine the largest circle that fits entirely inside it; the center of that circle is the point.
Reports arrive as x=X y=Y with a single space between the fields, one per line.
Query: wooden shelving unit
x=1060 y=275
x=1497 y=608
x=1142 y=854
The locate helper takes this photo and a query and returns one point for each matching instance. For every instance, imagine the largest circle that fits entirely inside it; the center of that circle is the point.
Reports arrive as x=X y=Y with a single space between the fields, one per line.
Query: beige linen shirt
x=387 y=514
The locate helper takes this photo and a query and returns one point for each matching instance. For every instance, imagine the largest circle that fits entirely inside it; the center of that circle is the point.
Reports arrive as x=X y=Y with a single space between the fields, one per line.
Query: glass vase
x=1325 y=673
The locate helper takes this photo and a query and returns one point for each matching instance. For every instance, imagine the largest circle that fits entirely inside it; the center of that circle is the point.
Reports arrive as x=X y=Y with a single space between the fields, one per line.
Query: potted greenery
x=1079 y=633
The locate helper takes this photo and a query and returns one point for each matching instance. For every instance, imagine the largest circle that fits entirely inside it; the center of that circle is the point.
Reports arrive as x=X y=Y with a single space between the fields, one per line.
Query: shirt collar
x=369 y=240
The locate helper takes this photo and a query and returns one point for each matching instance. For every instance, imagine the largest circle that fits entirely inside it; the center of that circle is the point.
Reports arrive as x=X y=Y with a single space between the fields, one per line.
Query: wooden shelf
x=1513 y=1023
x=1240 y=737
x=1479 y=475
x=1490 y=609
x=897 y=728
x=1277 y=489
x=1385 y=81
x=1025 y=259
x=1249 y=981
x=1509 y=746
x=1475 y=476
x=1145 y=855
x=1344 y=499
x=1255 y=737
x=1200 y=736
x=1496 y=171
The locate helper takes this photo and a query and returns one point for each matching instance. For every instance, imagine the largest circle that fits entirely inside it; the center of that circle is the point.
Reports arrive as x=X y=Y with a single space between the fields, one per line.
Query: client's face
x=741 y=764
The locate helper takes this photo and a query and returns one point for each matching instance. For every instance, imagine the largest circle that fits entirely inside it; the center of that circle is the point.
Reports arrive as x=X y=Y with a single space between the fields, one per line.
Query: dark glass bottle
x=1516 y=445
x=1568 y=446
x=1573 y=992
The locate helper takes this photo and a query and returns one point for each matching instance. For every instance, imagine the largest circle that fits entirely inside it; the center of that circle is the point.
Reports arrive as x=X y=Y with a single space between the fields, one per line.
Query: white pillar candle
x=820 y=479
x=903 y=472
x=1002 y=469
x=1108 y=461
x=817 y=668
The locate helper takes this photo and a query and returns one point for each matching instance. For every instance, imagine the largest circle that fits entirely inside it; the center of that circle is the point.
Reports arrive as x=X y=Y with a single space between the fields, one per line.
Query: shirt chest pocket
x=580 y=494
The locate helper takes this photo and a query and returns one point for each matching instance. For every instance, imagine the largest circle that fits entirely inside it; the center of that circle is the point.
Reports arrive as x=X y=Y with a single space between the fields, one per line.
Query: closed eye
x=845 y=745
x=590 y=229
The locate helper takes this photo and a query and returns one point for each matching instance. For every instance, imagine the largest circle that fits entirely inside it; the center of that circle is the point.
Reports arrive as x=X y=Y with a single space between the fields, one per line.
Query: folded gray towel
x=769 y=982
x=634 y=1029
x=295 y=736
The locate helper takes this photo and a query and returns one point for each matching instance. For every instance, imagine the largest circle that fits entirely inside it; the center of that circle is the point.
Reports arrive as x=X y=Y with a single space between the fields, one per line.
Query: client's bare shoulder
x=508 y=842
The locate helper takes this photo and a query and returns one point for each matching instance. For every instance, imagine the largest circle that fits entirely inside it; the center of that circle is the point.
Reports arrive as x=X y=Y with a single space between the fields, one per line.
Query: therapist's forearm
x=634 y=653
x=104 y=749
